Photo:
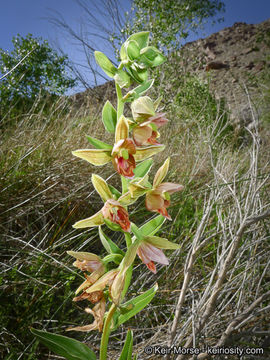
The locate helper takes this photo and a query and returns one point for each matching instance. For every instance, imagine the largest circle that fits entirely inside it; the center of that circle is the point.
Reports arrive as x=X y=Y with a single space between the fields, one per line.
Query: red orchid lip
x=113 y=211
x=125 y=167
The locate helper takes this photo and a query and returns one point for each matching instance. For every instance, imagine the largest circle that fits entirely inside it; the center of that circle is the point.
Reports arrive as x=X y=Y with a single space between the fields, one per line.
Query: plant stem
x=106 y=333
x=120 y=102
x=128 y=239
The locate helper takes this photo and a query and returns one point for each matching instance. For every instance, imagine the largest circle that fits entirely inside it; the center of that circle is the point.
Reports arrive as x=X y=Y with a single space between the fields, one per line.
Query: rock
x=210 y=45
x=216 y=65
x=210 y=54
x=250 y=65
x=259 y=67
x=247 y=51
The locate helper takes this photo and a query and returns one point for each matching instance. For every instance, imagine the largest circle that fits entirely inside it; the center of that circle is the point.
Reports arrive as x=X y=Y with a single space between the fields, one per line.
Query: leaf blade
x=98 y=144
x=109 y=117
x=64 y=346
x=137 y=304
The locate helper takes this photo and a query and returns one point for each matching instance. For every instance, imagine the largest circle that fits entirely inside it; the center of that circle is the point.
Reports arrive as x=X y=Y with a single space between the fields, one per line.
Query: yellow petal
x=142 y=108
x=161 y=243
x=81 y=255
x=121 y=131
x=83 y=286
x=137 y=190
x=101 y=283
x=144 y=153
x=117 y=287
x=94 y=156
x=161 y=173
x=126 y=199
x=94 y=220
x=139 y=187
x=101 y=187
x=169 y=188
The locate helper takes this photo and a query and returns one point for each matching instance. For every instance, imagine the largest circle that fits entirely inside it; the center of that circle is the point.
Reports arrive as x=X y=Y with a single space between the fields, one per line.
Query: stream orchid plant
x=107 y=279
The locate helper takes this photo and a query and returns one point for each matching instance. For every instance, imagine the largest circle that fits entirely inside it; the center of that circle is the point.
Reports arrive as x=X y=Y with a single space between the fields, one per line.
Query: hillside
x=233 y=58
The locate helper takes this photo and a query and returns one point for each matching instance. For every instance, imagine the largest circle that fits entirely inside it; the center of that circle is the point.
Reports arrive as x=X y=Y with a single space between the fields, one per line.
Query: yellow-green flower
x=112 y=210
x=123 y=154
x=145 y=132
x=158 y=199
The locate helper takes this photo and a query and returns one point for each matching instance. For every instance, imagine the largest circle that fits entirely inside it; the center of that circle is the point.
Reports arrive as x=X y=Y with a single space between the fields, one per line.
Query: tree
x=168 y=21
x=31 y=68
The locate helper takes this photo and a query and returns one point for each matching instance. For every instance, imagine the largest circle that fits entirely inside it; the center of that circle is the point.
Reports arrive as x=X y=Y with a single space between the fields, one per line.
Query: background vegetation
x=216 y=289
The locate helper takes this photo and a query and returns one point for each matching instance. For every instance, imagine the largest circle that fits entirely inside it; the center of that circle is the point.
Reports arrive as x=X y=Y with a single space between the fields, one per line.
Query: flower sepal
x=101 y=187
x=95 y=220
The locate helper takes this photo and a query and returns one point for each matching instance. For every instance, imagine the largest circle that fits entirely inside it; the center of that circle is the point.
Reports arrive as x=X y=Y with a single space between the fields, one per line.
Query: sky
x=33 y=16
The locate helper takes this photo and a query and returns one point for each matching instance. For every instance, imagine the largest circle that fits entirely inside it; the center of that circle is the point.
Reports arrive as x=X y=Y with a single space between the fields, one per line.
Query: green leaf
x=136 y=231
x=127 y=282
x=138 y=304
x=152 y=226
x=69 y=348
x=138 y=91
x=114 y=191
x=98 y=144
x=126 y=353
x=122 y=79
x=137 y=74
x=105 y=64
x=108 y=244
x=133 y=50
x=141 y=38
x=142 y=169
x=109 y=117
x=151 y=56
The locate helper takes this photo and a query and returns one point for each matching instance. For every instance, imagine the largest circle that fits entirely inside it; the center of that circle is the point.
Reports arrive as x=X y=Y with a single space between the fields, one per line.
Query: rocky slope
x=234 y=60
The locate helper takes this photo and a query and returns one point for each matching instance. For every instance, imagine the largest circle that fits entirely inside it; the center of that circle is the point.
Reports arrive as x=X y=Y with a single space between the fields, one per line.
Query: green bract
x=105 y=64
x=109 y=117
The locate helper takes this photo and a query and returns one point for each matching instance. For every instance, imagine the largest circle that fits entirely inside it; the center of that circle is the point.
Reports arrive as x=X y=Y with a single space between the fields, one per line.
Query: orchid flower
x=112 y=212
x=158 y=199
x=149 y=251
x=123 y=154
x=91 y=263
x=98 y=313
x=147 y=121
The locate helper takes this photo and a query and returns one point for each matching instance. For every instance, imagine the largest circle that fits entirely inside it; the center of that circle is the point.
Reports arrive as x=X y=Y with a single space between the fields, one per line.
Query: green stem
x=106 y=334
x=124 y=184
x=120 y=102
x=128 y=239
